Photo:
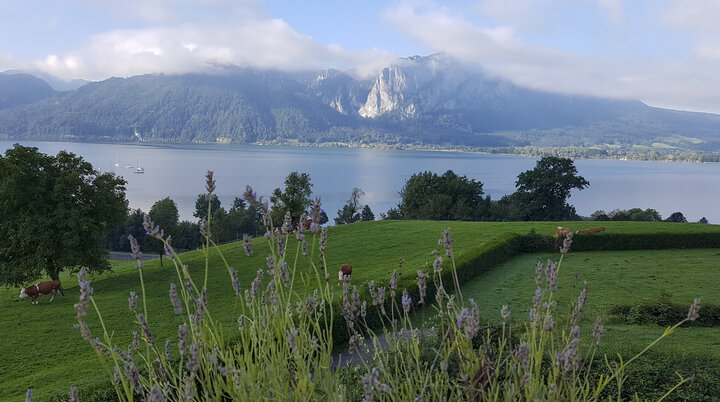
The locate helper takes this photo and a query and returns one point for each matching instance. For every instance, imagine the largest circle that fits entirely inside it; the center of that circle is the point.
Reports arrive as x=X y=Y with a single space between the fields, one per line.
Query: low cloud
x=682 y=84
x=8 y=62
x=263 y=43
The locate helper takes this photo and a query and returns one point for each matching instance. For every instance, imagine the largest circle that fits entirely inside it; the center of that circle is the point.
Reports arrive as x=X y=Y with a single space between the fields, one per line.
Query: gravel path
x=345 y=358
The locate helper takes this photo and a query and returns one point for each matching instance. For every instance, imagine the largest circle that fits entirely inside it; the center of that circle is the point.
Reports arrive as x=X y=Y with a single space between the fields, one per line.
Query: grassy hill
x=615 y=278
x=42 y=350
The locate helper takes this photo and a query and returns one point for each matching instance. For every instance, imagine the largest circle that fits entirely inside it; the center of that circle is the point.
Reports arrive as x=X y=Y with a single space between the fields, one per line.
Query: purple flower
x=406 y=301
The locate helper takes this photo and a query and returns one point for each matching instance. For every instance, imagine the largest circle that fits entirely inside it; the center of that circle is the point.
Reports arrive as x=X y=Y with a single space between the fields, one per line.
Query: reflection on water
x=178 y=172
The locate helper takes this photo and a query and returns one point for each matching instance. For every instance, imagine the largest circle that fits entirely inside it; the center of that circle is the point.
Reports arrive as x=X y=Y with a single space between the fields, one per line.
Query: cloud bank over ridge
x=664 y=52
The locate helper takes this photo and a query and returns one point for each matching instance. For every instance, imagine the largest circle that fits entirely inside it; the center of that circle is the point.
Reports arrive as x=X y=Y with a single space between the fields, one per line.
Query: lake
x=177 y=171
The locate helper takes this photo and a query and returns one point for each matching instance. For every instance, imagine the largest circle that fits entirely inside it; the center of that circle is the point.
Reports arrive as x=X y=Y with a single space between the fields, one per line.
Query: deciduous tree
x=448 y=197
x=164 y=213
x=55 y=212
x=350 y=212
x=676 y=217
x=296 y=198
x=201 y=206
x=543 y=191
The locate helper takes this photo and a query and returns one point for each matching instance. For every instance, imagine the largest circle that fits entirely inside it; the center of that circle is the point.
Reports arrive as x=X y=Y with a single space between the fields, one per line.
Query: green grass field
x=40 y=349
x=615 y=278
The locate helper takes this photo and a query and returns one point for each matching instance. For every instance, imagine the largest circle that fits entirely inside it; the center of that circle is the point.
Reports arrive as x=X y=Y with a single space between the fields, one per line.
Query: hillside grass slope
x=41 y=349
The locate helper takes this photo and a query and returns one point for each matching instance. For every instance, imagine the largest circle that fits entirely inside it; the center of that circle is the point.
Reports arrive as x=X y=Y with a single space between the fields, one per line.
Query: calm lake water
x=178 y=172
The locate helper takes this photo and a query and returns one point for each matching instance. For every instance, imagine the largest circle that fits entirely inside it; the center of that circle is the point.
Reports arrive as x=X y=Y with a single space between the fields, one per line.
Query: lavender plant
x=283 y=345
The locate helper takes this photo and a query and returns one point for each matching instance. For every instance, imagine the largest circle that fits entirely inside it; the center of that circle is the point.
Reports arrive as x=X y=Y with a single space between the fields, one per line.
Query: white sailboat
x=117 y=161
x=139 y=169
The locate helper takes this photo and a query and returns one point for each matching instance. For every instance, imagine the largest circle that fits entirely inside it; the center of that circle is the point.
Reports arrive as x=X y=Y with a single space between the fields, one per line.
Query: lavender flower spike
x=422 y=285
x=177 y=307
x=406 y=301
x=209 y=182
x=505 y=312
x=149 y=338
x=73 y=394
x=598 y=332
x=694 y=311
x=247 y=244
x=235 y=282
x=132 y=302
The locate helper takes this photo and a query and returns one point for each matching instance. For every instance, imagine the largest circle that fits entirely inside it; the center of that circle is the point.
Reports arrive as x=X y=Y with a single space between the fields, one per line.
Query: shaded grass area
x=41 y=349
x=622 y=278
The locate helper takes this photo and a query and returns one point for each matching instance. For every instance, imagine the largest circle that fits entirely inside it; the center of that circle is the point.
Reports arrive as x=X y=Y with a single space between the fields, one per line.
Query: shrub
x=625 y=241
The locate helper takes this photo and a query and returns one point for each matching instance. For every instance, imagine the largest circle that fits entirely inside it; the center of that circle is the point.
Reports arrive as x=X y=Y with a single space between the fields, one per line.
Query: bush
x=663 y=314
x=100 y=392
x=624 y=241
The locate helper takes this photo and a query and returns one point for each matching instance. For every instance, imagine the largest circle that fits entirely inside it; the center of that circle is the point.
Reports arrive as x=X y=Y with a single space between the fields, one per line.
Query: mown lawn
x=40 y=349
x=622 y=278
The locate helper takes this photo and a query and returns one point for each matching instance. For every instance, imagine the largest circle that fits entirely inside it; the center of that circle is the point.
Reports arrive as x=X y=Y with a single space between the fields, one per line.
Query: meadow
x=41 y=349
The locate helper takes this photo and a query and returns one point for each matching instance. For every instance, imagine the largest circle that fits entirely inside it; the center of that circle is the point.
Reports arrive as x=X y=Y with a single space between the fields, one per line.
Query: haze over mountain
x=432 y=100
x=22 y=89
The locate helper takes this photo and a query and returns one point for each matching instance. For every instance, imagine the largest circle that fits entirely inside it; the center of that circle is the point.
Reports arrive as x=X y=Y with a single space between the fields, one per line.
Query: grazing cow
x=42 y=288
x=561 y=231
x=591 y=230
x=345 y=270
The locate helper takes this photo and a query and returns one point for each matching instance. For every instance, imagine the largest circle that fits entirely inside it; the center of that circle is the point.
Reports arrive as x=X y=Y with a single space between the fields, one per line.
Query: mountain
x=430 y=101
x=56 y=83
x=22 y=89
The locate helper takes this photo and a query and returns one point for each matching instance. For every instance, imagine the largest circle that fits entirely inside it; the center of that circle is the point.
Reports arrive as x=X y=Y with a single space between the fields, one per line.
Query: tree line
x=58 y=212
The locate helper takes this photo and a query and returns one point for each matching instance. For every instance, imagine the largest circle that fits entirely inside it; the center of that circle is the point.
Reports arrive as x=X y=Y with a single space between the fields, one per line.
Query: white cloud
x=263 y=43
x=8 y=62
x=682 y=84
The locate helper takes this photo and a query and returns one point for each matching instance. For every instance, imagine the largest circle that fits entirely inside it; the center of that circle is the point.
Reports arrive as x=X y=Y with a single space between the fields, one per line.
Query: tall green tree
x=164 y=213
x=117 y=239
x=296 y=198
x=201 y=206
x=350 y=212
x=367 y=214
x=635 y=214
x=448 y=197
x=543 y=191
x=55 y=212
x=676 y=217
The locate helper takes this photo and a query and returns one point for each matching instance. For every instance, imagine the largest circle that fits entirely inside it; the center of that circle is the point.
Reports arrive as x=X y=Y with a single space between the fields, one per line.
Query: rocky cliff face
x=418 y=85
x=339 y=90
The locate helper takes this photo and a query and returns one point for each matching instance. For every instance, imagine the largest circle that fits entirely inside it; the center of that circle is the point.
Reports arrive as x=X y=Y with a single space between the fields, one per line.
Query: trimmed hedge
x=625 y=241
x=664 y=314
x=653 y=374
x=99 y=392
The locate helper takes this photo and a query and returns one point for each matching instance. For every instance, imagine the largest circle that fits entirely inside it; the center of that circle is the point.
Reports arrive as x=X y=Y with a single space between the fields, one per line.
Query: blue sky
x=663 y=52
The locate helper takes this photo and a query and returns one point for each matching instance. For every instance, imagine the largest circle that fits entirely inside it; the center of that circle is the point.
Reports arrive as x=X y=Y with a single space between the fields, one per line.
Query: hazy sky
x=664 y=52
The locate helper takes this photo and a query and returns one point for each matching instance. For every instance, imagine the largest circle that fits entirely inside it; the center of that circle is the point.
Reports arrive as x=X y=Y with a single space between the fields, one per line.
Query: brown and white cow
x=591 y=230
x=345 y=270
x=42 y=288
x=561 y=231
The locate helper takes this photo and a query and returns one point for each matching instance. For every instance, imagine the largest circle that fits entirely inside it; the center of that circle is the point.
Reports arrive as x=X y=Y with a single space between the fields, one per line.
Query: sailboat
x=117 y=161
x=139 y=169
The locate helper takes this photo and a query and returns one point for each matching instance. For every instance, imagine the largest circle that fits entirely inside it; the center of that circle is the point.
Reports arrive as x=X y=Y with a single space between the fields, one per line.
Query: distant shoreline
x=609 y=152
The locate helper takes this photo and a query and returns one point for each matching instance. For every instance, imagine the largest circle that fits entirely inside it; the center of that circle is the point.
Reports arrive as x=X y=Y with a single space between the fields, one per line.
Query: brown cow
x=345 y=270
x=591 y=230
x=42 y=288
x=561 y=231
